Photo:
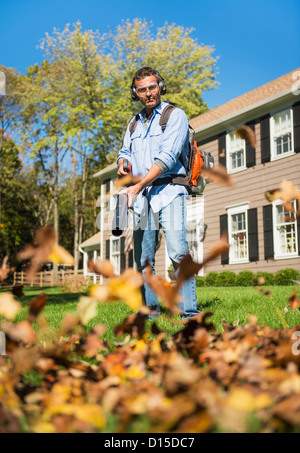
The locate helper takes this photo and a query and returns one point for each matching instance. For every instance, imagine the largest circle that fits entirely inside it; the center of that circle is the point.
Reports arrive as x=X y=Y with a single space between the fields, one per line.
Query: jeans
x=145 y=234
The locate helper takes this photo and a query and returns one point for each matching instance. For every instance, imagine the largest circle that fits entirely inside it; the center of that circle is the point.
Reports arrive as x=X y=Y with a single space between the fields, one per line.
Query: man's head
x=147 y=87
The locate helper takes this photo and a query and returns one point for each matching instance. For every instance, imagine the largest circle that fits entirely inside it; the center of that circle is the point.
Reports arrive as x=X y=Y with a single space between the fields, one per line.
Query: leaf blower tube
x=119 y=223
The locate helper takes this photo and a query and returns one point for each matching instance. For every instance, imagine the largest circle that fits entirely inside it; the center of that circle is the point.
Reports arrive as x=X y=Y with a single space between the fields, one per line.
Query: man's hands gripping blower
x=119 y=223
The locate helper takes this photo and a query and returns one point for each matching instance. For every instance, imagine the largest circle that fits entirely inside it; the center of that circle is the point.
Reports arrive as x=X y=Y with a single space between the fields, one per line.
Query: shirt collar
x=157 y=109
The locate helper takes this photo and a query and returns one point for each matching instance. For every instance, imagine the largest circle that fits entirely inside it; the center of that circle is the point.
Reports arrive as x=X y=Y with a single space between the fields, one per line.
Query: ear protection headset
x=161 y=84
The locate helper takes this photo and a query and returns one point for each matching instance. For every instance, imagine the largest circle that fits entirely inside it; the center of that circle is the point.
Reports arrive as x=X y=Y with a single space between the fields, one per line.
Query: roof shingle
x=266 y=91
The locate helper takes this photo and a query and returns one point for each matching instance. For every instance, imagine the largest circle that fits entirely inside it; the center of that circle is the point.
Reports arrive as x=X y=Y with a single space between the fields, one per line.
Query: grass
x=232 y=304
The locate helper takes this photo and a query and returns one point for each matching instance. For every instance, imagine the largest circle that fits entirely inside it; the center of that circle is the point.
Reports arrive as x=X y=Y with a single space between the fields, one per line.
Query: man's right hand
x=121 y=171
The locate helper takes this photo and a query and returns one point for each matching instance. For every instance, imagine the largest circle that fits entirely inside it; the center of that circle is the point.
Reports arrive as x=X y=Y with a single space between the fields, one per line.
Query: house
x=91 y=251
x=261 y=237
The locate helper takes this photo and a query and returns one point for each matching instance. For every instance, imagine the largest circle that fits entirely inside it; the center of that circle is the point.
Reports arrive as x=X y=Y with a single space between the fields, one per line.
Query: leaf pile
x=196 y=380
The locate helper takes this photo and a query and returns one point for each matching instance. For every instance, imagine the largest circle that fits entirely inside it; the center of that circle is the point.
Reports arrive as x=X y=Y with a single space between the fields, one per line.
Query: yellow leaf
x=9 y=307
x=60 y=255
x=91 y=413
x=134 y=372
x=87 y=309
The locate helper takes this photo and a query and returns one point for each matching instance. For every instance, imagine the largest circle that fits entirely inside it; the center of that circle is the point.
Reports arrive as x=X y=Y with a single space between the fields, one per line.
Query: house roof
x=112 y=168
x=93 y=240
x=235 y=106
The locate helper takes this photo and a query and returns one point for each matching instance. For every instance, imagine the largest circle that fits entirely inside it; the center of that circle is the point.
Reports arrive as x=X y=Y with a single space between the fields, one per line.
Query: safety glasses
x=152 y=88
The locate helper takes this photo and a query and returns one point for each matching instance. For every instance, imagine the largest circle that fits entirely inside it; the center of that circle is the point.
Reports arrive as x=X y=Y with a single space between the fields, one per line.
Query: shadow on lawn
x=52 y=299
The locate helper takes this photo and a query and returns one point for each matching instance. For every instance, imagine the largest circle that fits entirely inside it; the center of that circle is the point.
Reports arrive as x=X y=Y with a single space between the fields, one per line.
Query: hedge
x=282 y=277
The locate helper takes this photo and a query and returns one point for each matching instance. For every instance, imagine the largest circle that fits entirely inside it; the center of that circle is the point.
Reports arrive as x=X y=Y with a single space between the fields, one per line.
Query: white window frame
x=230 y=151
x=274 y=155
x=115 y=257
x=276 y=235
x=240 y=209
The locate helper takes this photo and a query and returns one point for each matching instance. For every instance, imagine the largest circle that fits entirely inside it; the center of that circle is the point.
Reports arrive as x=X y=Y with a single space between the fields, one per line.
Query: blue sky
x=256 y=41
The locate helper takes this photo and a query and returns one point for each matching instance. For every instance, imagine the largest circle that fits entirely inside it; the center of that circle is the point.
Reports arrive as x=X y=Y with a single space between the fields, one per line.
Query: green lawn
x=232 y=304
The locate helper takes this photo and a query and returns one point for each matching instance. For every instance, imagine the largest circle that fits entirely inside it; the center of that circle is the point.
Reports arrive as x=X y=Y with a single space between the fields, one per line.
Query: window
x=236 y=153
x=282 y=134
x=115 y=255
x=238 y=234
x=285 y=232
x=109 y=200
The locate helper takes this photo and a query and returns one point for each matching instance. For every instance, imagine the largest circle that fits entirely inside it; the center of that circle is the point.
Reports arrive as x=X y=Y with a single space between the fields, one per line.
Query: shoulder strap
x=133 y=124
x=165 y=115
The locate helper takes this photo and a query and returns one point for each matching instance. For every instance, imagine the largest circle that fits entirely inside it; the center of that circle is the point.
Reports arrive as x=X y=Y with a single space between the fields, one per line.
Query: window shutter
x=268 y=232
x=122 y=254
x=296 y=119
x=253 y=234
x=224 y=229
x=250 y=151
x=107 y=249
x=265 y=139
x=222 y=149
x=298 y=227
x=130 y=258
x=298 y=231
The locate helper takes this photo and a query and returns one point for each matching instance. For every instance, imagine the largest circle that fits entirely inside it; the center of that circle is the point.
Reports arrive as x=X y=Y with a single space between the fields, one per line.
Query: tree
x=77 y=103
x=188 y=68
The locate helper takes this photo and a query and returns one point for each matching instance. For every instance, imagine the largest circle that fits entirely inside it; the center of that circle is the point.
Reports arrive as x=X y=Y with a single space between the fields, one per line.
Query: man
x=157 y=203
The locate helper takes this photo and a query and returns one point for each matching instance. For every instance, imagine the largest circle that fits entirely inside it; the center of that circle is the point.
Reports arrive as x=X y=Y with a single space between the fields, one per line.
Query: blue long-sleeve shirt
x=149 y=145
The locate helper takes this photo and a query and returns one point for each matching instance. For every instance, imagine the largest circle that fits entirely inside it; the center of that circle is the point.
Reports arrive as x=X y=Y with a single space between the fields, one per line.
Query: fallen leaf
x=22 y=331
x=87 y=309
x=127 y=181
x=18 y=291
x=60 y=255
x=219 y=175
x=247 y=134
x=4 y=270
x=168 y=293
x=9 y=307
x=294 y=301
x=36 y=306
x=102 y=267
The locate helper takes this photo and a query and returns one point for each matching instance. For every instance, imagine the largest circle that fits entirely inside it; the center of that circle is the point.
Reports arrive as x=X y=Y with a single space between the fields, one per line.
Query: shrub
x=286 y=277
x=210 y=279
x=76 y=284
x=200 y=281
x=267 y=276
x=245 y=278
x=226 y=278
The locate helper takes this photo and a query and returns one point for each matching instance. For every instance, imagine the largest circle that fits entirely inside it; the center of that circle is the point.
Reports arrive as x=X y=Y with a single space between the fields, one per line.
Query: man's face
x=148 y=92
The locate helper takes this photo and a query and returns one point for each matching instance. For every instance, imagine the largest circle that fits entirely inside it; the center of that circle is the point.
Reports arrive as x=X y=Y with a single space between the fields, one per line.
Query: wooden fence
x=46 y=278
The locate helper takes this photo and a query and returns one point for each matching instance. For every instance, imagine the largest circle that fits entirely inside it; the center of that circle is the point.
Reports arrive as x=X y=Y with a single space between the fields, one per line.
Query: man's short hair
x=146 y=71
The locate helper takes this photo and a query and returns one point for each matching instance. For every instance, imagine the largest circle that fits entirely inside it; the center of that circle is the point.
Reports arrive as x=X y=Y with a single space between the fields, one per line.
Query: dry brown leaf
x=22 y=331
x=102 y=267
x=127 y=180
x=36 y=306
x=43 y=250
x=219 y=175
x=247 y=134
x=4 y=270
x=166 y=291
x=18 y=291
x=9 y=307
x=287 y=193
x=294 y=301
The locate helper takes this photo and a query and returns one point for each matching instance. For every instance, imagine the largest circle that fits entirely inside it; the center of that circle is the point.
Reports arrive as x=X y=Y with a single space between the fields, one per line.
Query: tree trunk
x=56 y=215
x=75 y=192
